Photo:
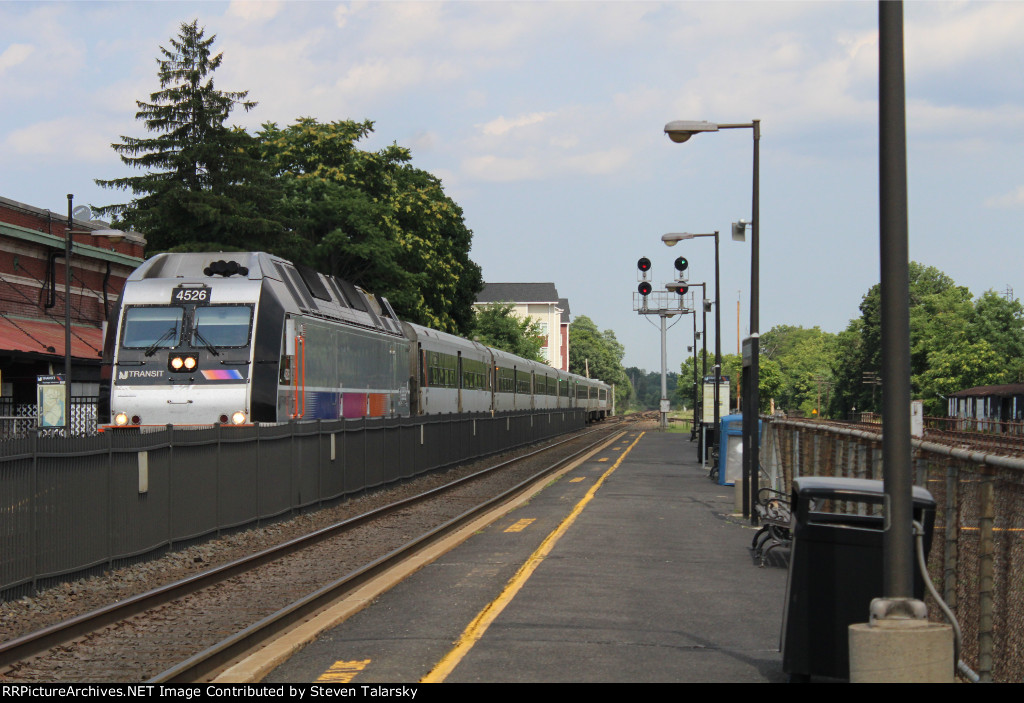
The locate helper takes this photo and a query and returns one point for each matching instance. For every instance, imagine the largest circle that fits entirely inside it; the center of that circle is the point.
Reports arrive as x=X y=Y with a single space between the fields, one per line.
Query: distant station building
x=985 y=407
x=32 y=298
x=541 y=302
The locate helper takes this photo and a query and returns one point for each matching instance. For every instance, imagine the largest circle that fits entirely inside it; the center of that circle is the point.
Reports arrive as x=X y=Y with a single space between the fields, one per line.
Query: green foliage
x=684 y=392
x=1001 y=322
x=647 y=389
x=204 y=186
x=803 y=358
x=497 y=325
x=601 y=354
x=374 y=220
x=956 y=367
x=769 y=382
x=769 y=379
x=304 y=192
x=955 y=343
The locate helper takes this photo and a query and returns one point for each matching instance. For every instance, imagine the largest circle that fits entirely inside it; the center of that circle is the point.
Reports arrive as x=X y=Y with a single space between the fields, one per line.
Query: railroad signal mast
x=665 y=304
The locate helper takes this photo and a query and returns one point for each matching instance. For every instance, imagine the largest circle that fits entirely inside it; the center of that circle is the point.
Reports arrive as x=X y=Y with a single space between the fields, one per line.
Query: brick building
x=32 y=299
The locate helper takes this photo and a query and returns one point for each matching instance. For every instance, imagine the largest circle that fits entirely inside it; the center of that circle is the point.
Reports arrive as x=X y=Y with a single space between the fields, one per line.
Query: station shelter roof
x=41 y=336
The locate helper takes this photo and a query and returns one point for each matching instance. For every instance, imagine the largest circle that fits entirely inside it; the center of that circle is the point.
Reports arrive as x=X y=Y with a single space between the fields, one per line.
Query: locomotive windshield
x=221 y=326
x=152 y=327
x=166 y=327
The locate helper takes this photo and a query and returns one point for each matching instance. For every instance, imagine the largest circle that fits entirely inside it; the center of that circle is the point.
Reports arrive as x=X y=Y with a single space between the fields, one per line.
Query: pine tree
x=205 y=186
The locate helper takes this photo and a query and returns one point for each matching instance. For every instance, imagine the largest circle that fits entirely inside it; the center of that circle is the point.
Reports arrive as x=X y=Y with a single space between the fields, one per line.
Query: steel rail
x=234 y=647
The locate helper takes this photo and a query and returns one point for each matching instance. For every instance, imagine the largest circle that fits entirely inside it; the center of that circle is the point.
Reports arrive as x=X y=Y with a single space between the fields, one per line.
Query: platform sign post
x=51 y=408
x=709 y=393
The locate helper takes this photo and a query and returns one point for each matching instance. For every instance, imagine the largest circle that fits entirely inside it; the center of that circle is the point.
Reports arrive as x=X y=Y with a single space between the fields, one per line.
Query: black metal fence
x=71 y=505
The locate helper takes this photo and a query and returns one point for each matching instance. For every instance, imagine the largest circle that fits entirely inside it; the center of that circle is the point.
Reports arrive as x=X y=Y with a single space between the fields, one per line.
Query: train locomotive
x=246 y=338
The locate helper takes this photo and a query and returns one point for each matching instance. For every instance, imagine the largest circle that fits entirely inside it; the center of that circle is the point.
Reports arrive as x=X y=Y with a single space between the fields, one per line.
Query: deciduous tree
x=599 y=355
x=374 y=220
x=497 y=325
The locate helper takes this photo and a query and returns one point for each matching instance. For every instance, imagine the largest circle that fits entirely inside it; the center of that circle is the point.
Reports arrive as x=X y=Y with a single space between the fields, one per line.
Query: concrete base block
x=901 y=651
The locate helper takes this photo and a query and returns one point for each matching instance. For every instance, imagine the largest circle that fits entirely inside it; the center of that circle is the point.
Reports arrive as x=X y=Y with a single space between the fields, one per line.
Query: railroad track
x=187 y=630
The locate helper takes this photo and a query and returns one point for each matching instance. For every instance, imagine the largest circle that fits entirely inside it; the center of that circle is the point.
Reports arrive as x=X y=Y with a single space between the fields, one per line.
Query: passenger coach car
x=249 y=337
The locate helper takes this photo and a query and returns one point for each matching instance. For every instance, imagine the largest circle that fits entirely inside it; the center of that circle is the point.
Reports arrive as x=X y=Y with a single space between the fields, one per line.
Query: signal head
x=680 y=288
x=644 y=288
x=644 y=264
x=682 y=264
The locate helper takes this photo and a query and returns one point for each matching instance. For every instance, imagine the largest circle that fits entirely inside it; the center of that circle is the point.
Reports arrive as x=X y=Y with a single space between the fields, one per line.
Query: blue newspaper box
x=730 y=453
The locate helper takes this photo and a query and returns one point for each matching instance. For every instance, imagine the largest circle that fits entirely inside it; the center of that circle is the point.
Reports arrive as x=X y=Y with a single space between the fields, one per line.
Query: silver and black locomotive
x=247 y=338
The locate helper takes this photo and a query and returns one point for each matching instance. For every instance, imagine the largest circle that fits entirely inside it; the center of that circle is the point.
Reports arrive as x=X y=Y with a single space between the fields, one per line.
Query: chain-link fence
x=977 y=556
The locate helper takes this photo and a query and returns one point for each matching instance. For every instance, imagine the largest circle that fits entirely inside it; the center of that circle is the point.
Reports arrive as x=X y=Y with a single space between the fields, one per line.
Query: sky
x=545 y=122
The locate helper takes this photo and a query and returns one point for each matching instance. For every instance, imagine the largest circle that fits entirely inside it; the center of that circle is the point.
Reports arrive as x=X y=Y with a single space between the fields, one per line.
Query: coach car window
x=222 y=326
x=146 y=327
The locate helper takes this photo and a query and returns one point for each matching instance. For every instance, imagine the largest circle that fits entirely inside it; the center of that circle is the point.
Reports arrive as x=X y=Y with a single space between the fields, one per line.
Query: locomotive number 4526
x=190 y=295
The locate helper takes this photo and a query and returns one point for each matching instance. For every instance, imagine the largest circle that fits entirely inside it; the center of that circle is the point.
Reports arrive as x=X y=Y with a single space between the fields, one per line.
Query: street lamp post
x=703 y=337
x=114 y=235
x=671 y=240
x=680 y=131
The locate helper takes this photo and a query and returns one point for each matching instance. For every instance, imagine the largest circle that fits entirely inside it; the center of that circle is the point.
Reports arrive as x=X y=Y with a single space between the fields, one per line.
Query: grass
x=682 y=422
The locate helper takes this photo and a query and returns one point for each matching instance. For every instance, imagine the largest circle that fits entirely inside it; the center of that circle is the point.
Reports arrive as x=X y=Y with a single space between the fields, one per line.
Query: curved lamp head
x=116 y=235
x=671 y=239
x=681 y=130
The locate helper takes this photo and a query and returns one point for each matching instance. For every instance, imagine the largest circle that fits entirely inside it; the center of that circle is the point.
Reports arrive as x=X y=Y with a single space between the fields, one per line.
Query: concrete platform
x=635 y=571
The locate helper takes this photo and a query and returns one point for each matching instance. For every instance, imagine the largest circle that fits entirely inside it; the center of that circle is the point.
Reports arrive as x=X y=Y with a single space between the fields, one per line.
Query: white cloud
x=394 y=75
x=962 y=123
x=67 y=137
x=533 y=167
x=503 y=125
x=255 y=10
x=943 y=36
x=14 y=55
x=1013 y=199
x=496 y=168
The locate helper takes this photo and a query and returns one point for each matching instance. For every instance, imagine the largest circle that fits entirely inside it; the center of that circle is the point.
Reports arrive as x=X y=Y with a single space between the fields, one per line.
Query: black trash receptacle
x=835 y=569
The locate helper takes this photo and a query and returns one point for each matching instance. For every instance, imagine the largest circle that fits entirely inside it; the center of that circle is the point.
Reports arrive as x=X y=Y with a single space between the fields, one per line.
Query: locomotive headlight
x=121 y=419
x=182 y=363
x=238 y=418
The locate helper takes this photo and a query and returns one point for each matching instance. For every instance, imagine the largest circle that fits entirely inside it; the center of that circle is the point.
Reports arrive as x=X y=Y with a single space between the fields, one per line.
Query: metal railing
x=977 y=555
x=18 y=419
x=973 y=424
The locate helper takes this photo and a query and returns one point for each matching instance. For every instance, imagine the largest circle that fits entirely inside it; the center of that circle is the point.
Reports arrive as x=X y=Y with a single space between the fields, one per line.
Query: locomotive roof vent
x=225 y=268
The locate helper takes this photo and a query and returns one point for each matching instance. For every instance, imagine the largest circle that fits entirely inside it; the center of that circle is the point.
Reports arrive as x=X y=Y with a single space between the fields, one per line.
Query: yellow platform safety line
x=342 y=672
x=476 y=629
x=520 y=525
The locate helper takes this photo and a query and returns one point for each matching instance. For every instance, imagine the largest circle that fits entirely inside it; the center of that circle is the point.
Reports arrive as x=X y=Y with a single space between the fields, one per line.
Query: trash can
x=835 y=569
